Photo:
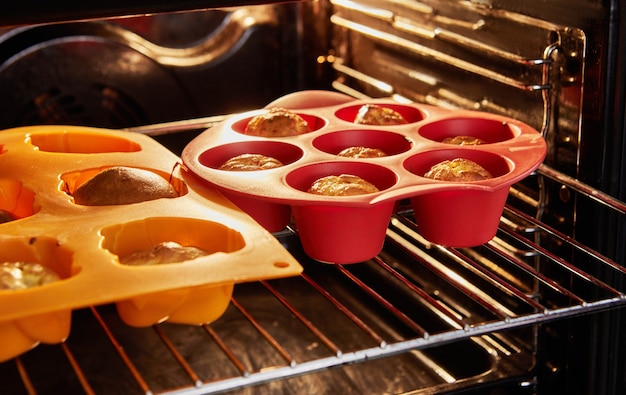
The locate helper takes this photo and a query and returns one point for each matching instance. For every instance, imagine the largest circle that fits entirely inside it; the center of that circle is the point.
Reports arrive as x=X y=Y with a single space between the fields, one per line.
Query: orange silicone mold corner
x=22 y=334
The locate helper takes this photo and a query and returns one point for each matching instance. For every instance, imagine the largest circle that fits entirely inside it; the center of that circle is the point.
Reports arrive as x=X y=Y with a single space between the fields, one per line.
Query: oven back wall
x=144 y=70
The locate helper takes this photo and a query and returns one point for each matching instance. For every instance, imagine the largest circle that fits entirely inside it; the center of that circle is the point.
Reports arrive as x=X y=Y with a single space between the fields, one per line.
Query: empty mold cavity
x=487 y=130
x=388 y=142
x=284 y=152
x=314 y=122
x=22 y=334
x=16 y=200
x=81 y=142
x=71 y=181
x=212 y=237
x=496 y=165
x=410 y=114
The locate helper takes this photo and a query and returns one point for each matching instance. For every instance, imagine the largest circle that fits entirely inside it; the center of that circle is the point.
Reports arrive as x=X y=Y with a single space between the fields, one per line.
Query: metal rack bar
x=77 y=369
x=227 y=351
x=562 y=262
x=319 y=334
x=177 y=356
x=266 y=335
x=122 y=354
x=455 y=322
x=461 y=284
x=28 y=384
x=353 y=317
x=567 y=239
x=384 y=302
x=536 y=274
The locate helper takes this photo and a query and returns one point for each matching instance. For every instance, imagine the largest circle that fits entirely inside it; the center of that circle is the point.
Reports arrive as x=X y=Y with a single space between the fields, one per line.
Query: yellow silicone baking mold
x=41 y=166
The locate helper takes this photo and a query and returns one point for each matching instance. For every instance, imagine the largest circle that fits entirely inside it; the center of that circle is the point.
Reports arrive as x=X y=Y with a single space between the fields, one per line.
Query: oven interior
x=535 y=310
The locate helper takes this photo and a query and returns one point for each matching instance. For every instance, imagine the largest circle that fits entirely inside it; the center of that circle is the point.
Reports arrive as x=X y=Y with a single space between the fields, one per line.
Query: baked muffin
x=166 y=252
x=362 y=152
x=463 y=140
x=277 y=122
x=123 y=185
x=6 y=216
x=342 y=185
x=372 y=114
x=458 y=169
x=250 y=162
x=24 y=275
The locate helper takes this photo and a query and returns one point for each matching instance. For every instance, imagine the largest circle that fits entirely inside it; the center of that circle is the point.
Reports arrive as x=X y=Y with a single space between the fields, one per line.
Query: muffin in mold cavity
x=342 y=185
x=380 y=114
x=142 y=235
x=251 y=162
x=6 y=216
x=120 y=185
x=339 y=142
x=469 y=131
x=39 y=259
x=193 y=305
x=278 y=122
x=80 y=141
x=16 y=200
x=163 y=253
x=494 y=164
x=458 y=170
x=281 y=152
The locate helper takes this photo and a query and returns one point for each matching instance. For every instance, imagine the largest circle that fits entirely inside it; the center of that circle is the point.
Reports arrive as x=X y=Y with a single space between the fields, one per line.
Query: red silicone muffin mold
x=344 y=229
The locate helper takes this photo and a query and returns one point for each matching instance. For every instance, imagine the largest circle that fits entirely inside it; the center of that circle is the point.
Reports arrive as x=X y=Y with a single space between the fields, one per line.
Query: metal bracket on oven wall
x=408 y=39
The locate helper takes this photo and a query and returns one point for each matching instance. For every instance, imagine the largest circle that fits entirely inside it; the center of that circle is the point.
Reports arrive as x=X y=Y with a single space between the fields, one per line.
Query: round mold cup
x=460 y=214
x=488 y=130
x=315 y=123
x=72 y=180
x=388 y=142
x=22 y=334
x=272 y=216
x=409 y=113
x=80 y=142
x=194 y=305
x=16 y=200
x=342 y=229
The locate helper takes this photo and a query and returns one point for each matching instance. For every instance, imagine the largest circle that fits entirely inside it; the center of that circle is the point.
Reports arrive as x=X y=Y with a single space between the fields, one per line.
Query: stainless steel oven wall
x=556 y=65
x=514 y=59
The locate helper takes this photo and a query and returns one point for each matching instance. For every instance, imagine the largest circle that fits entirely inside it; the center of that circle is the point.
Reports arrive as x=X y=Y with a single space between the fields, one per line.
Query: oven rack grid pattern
x=512 y=282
